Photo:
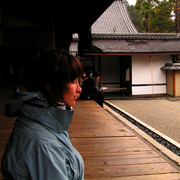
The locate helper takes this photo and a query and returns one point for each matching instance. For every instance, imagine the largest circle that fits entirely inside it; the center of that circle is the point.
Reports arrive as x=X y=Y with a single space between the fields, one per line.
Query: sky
x=131 y=2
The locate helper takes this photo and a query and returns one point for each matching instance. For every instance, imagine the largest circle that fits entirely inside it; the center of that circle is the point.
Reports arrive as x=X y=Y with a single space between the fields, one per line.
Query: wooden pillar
x=130 y=75
x=5 y=26
x=93 y=64
x=152 y=78
x=99 y=64
x=51 y=31
x=174 y=84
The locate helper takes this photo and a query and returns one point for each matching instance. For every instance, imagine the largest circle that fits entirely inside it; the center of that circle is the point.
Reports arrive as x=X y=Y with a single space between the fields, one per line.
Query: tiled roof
x=138 y=46
x=114 y=20
x=114 y=32
x=171 y=66
x=138 y=36
x=135 y=43
x=138 y=43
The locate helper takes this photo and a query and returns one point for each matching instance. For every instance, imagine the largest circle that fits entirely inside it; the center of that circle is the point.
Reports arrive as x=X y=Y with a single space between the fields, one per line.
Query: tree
x=156 y=16
x=160 y=20
x=136 y=18
x=176 y=7
x=145 y=7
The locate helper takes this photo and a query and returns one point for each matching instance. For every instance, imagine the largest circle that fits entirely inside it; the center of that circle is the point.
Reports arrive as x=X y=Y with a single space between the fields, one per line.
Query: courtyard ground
x=163 y=114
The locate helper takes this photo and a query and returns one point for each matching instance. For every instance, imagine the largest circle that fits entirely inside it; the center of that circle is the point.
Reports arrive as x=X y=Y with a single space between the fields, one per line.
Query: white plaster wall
x=144 y=76
x=148 y=90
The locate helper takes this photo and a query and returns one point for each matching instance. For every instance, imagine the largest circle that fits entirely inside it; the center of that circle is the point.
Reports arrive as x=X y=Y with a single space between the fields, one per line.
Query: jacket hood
x=16 y=100
x=33 y=105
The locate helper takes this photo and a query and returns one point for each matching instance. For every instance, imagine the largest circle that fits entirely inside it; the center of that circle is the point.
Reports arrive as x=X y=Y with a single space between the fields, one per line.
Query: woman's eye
x=75 y=81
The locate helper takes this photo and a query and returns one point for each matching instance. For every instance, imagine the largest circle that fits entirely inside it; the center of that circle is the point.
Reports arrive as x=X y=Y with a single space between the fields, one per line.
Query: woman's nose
x=78 y=88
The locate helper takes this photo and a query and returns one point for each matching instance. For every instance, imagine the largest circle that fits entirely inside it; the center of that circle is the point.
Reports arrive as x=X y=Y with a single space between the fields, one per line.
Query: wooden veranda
x=109 y=149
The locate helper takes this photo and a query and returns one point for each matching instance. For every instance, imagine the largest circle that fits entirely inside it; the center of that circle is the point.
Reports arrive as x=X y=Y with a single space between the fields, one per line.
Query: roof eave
x=137 y=36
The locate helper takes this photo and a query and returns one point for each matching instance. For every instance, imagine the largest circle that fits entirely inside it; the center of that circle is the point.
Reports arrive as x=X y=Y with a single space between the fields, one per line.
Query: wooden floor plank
x=120 y=160
x=129 y=170
x=5 y=133
x=171 y=176
x=111 y=151
x=101 y=131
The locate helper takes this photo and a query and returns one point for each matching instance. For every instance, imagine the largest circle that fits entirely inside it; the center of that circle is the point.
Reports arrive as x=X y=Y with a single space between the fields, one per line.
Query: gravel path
x=161 y=114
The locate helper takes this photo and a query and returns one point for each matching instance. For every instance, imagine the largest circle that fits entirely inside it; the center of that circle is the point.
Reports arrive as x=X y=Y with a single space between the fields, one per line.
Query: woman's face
x=72 y=92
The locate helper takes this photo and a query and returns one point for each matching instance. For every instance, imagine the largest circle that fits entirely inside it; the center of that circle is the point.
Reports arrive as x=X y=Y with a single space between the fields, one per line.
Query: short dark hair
x=96 y=74
x=51 y=72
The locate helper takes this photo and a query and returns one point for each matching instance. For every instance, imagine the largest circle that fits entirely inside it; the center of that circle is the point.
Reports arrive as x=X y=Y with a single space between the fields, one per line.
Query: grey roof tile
x=114 y=20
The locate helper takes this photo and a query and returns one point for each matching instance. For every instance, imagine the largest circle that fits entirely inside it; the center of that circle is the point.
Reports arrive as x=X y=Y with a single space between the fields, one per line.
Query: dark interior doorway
x=125 y=68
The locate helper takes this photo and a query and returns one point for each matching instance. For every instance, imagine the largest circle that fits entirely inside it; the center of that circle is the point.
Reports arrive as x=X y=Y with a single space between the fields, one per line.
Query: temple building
x=27 y=31
x=127 y=60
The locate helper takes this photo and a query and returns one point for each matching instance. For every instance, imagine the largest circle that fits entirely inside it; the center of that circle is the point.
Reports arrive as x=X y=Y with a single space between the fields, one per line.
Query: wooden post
x=99 y=64
x=51 y=30
x=152 y=76
x=5 y=26
x=174 y=84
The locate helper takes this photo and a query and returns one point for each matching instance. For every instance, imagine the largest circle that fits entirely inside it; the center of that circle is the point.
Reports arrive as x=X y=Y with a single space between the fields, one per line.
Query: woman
x=39 y=147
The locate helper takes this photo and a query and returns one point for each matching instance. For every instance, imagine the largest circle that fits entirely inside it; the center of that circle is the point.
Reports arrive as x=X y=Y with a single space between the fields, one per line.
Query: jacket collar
x=34 y=106
x=54 y=118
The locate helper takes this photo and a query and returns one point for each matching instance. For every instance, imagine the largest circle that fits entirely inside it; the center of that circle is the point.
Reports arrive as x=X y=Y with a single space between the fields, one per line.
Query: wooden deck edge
x=175 y=159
